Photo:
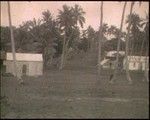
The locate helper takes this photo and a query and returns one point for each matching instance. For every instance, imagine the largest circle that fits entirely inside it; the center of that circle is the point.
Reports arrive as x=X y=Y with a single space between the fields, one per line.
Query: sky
x=23 y=11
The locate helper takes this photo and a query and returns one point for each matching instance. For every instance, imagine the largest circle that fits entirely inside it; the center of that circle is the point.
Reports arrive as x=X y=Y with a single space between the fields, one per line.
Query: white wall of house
x=106 y=64
x=137 y=62
x=33 y=62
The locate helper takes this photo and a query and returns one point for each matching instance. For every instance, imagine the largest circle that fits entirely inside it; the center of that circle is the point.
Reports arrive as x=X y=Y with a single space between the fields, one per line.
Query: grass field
x=75 y=92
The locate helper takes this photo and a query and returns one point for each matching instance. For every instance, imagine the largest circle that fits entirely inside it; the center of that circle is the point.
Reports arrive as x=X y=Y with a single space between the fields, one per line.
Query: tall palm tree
x=127 y=46
x=78 y=15
x=113 y=30
x=147 y=64
x=146 y=39
x=145 y=33
x=118 y=45
x=47 y=17
x=68 y=19
x=100 y=39
x=12 y=42
x=145 y=22
x=89 y=33
x=135 y=26
x=104 y=28
x=132 y=29
x=50 y=33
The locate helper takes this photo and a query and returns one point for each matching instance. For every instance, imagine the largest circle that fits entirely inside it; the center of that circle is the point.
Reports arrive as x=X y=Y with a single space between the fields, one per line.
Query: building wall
x=33 y=68
x=137 y=63
x=108 y=66
x=137 y=66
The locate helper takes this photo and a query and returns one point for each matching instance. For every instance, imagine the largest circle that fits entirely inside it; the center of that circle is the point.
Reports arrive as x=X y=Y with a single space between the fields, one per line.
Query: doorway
x=24 y=70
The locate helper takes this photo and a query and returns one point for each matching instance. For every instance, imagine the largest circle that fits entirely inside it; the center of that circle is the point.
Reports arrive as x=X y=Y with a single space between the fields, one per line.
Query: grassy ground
x=75 y=92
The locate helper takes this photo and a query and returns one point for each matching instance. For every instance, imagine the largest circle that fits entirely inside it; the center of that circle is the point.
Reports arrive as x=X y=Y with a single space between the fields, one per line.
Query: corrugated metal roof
x=104 y=61
x=138 y=58
x=25 y=57
x=112 y=53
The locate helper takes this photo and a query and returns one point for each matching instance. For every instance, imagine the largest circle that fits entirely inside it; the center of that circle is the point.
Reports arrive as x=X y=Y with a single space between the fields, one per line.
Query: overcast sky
x=23 y=11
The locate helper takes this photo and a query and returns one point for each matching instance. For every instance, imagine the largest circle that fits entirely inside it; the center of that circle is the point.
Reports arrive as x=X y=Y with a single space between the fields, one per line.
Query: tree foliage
x=46 y=34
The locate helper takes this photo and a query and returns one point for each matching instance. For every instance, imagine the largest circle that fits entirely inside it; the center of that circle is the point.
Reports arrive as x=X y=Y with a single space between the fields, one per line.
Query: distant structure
x=135 y=62
x=138 y=62
x=27 y=64
x=109 y=60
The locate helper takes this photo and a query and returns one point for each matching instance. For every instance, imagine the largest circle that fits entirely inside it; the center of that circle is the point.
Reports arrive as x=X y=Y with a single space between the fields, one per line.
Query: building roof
x=25 y=57
x=113 y=53
x=138 y=58
x=104 y=61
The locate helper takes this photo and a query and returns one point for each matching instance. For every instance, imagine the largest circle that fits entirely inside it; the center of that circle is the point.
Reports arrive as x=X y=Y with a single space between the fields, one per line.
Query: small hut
x=27 y=64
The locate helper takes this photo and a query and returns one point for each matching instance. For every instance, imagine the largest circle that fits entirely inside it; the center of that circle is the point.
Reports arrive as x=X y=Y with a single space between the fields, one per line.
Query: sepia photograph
x=74 y=59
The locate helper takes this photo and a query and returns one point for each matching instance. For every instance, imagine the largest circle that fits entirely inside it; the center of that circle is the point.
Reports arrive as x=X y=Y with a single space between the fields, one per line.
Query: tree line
x=55 y=37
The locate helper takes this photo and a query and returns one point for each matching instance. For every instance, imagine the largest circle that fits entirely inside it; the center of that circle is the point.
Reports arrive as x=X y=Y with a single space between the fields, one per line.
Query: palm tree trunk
x=118 y=46
x=147 y=65
x=100 y=37
x=141 y=51
x=66 y=46
x=132 y=48
x=12 y=41
x=63 y=53
x=127 y=47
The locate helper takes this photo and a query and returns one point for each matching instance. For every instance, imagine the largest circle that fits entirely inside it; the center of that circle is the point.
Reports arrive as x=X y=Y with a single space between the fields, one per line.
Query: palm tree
x=68 y=19
x=147 y=64
x=48 y=26
x=146 y=72
x=44 y=32
x=135 y=30
x=127 y=47
x=113 y=30
x=118 y=45
x=13 y=43
x=47 y=17
x=146 y=39
x=72 y=39
x=78 y=15
x=100 y=39
x=89 y=33
x=134 y=25
x=145 y=33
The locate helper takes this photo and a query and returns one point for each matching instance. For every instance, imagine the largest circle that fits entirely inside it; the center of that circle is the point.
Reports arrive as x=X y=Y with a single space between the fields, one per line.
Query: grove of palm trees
x=86 y=72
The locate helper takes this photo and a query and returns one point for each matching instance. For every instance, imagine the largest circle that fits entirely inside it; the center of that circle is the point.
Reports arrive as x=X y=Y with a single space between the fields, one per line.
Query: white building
x=27 y=64
x=113 y=53
x=137 y=62
x=109 y=60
